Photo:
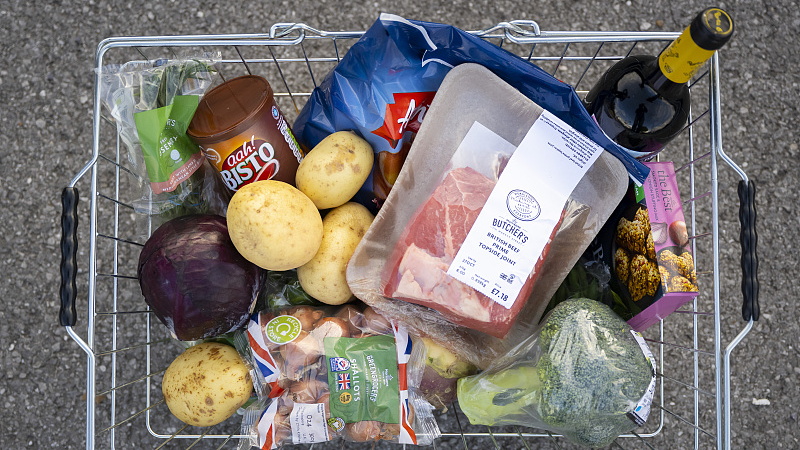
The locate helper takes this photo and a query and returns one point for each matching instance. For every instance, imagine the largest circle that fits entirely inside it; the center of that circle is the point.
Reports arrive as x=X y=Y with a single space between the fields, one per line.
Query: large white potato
x=334 y=170
x=274 y=225
x=206 y=384
x=324 y=276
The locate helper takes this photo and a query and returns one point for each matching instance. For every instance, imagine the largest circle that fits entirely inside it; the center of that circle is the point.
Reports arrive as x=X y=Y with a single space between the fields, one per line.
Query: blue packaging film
x=382 y=87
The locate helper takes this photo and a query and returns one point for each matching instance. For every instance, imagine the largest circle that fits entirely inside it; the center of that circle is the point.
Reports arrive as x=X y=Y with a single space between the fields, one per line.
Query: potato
x=206 y=384
x=334 y=170
x=274 y=225
x=324 y=276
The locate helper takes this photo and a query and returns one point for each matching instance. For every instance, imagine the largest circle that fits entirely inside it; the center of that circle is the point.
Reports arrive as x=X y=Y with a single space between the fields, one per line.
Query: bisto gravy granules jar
x=243 y=133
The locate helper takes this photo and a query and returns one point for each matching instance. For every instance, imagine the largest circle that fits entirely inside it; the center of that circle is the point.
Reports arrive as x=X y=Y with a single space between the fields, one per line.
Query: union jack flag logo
x=343 y=381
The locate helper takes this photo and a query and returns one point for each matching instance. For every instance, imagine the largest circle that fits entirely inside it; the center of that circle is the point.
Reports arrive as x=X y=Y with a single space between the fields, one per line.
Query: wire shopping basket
x=128 y=351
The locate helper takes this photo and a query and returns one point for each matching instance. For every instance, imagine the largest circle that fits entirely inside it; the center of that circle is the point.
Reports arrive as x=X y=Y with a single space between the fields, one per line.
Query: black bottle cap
x=711 y=29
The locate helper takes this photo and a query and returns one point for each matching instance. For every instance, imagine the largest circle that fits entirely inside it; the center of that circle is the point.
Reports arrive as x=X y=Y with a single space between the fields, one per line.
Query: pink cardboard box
x=646 y=247
x=672 y=246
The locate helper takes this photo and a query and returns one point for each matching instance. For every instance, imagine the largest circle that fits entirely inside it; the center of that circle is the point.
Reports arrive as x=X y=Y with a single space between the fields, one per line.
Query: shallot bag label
x=524 y=208
x=363 y=379
x=308 y=423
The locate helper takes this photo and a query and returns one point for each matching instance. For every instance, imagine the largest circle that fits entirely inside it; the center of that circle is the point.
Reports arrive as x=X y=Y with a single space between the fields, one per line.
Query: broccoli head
x=589 y=375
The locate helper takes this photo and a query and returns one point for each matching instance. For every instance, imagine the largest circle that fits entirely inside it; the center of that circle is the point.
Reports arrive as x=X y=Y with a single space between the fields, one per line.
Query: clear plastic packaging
x=589 y=278
x=152 y=104
x=585 y=374
x=470 y=94
x=348 y=373
x=282 y=290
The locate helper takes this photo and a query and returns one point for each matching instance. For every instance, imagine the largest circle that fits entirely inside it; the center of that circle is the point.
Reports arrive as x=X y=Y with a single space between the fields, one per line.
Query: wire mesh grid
x=128 y=350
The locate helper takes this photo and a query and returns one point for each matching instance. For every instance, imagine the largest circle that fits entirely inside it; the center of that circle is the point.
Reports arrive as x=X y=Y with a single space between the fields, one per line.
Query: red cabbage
x=194 y=280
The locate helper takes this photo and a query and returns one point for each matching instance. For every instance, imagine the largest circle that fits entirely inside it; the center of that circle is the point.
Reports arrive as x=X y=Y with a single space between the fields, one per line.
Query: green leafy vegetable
x=590 y=279
x=161 y=88
x=175 y=77
x=282 y=289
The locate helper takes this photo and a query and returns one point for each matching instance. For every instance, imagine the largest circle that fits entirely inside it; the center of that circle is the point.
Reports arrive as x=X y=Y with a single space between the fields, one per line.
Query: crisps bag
x=383 y=86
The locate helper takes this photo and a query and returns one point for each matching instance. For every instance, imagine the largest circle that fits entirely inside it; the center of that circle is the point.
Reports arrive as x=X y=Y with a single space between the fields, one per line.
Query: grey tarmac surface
x=46 y=86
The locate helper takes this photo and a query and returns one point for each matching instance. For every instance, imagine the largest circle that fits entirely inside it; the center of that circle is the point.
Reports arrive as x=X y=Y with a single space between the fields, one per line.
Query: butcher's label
x=525 y=206
x=308 y=424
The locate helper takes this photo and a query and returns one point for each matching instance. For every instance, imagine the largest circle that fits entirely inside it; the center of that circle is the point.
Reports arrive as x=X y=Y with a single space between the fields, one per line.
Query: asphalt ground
x=46 y=88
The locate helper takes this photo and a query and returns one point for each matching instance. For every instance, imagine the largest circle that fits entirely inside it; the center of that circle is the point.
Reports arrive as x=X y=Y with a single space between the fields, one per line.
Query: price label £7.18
x=502 y=296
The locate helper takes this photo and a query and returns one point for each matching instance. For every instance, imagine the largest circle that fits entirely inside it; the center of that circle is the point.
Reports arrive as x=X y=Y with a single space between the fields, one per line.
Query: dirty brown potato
x=274 y=225
x=334 y=170
x=206 y=384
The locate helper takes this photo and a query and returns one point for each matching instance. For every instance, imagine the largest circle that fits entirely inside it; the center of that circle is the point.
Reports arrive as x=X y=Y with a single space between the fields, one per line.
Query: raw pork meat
x=417 y=269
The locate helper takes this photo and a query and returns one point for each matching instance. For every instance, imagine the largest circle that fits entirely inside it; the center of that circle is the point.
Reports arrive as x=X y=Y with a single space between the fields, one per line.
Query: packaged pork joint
x=496 y=202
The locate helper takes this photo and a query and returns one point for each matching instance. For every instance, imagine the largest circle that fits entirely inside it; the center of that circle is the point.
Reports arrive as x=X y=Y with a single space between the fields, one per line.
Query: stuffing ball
x=622 y=263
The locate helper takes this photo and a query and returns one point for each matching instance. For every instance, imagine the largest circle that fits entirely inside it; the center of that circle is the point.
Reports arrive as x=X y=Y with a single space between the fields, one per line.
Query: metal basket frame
x=520 y=32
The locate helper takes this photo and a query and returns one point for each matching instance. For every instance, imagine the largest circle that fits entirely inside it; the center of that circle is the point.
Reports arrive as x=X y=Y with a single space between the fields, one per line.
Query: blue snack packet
x=383 y=86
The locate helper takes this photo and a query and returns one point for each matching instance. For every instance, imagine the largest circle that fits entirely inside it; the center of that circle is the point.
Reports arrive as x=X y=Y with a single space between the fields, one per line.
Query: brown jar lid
x=229 y=109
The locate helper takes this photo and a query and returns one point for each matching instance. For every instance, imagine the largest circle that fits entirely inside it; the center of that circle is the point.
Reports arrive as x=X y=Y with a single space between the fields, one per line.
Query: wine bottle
x=642 y=101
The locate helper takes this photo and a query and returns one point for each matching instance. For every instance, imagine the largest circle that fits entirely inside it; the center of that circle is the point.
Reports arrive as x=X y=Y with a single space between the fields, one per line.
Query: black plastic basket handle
x=69 y=260
x=749 y=240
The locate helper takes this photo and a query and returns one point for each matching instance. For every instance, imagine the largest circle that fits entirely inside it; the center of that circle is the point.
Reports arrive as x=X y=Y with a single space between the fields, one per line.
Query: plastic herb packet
x=324 y=374
x=585 y=374
x=471 y=98
x=152 y=104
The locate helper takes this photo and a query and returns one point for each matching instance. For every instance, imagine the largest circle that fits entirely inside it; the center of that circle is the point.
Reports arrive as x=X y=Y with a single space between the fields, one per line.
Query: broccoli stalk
x=499 y=396
x=589 y=375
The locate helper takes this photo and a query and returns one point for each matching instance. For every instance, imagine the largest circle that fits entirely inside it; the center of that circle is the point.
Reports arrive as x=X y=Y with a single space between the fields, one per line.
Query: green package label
x=363 y=378
x=170 y=156
x=283 y=329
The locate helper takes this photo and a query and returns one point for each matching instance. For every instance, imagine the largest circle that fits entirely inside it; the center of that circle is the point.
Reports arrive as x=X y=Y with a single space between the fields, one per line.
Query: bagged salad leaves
x=585 y=374
x=384 y=85
x=324 y=374
x=152 y=104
